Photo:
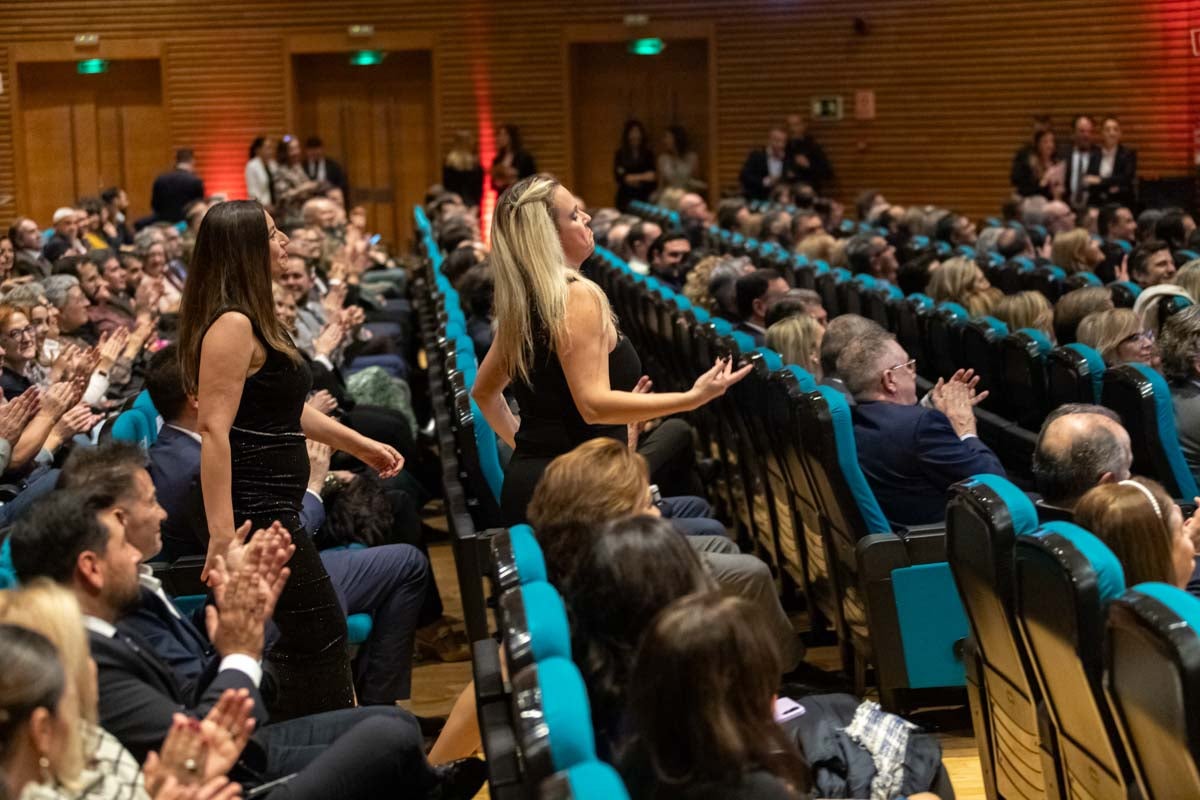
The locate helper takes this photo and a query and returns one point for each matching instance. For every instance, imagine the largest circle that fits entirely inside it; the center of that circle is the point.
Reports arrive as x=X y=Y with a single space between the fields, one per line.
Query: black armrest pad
x=880 y=553
x=485 y=665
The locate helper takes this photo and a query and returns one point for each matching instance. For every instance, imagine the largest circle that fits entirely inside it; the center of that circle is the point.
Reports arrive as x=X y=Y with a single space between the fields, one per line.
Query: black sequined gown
x=269 y=461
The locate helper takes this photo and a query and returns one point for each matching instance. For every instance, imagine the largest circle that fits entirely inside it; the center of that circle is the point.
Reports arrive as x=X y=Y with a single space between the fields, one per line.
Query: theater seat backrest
x=516 y=558
x=1141 y=397
x=592 y=780
x=1153 y=684
x=1074 y=374
x=552 y=717
x=1023 y=381
x=1065 y=579
x=533 y=625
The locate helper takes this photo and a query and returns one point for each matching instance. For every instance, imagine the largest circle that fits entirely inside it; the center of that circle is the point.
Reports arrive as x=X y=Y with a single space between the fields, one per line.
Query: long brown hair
x=230 y=271
x=701 y=695
x=1135 y=530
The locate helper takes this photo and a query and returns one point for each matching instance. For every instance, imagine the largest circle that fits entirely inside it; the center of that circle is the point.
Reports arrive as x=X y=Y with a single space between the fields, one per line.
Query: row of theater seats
x=792 y=480
x=1027 y=377
x=534 y=718
x=1080 y=687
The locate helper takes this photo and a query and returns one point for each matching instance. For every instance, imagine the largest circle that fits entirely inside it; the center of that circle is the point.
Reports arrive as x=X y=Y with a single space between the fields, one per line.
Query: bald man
x=1080 y=446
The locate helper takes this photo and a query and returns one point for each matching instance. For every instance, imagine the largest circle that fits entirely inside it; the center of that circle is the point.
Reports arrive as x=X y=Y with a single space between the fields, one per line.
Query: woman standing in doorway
x=633 y=166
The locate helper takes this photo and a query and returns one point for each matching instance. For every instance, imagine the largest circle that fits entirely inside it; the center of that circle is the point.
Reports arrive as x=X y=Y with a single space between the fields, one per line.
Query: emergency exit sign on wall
x=827 y=107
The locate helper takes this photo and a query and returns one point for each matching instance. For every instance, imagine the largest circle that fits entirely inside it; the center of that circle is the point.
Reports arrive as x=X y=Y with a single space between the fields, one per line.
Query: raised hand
x=221 y=546
x=111 y=347
x=335 y=298
x=226 y=729
x=329 y=339
x=634 y=429
x=58 y=398
x=318 y=463
x=716 y=381
x=78 y=419
x=383 y=458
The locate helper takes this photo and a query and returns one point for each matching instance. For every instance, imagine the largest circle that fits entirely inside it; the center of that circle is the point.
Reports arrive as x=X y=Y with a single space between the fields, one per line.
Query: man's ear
x=89 y=570
x=1107 y=477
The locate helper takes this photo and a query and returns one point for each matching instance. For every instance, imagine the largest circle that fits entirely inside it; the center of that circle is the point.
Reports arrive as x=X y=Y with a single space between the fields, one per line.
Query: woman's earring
x=47 y=776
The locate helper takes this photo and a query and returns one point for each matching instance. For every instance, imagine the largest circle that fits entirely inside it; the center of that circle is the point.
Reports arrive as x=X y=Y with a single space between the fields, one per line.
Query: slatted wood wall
x=956 y=81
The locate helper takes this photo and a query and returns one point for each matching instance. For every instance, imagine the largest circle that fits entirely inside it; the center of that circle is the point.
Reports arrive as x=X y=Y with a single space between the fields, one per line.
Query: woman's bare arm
x=225 y=362
x=488 y=394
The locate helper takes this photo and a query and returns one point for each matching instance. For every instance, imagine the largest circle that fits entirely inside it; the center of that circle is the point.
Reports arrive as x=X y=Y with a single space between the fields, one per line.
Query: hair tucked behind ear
x=531 y=273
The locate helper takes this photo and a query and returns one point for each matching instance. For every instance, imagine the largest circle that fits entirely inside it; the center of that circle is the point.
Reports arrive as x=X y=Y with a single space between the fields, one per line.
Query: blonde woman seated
x=1076 y=251
x=960 y=280
x=1026 y=310
x=797 y=339
x=47 y=674
x=1144 y=528
x=1119 y=336
x=1188 y=277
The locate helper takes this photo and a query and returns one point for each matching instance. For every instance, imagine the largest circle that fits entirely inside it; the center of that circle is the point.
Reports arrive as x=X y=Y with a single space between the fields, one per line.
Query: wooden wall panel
x=956 y=81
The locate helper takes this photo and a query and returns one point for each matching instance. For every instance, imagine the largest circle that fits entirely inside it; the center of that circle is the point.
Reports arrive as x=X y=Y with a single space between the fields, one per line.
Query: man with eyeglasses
x=911 y=454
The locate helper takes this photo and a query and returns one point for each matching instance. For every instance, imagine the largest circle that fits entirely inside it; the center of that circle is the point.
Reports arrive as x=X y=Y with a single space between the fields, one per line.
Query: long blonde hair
x=531 y=274
x=1105 y=330
x=797 y=339
x=955 y=281
x=1069 y=250
x=47 y=608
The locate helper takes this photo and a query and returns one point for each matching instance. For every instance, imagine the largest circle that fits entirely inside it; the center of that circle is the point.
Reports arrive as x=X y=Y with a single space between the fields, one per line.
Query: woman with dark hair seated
x=633 y=569
x=701 y=700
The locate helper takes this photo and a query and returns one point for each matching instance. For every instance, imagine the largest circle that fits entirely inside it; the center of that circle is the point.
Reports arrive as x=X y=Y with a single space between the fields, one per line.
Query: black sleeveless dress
x=269 y=466
x=550 y=422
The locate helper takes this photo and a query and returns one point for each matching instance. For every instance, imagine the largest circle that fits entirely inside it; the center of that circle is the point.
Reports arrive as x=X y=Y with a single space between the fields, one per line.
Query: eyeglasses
x=1146 y=336
x=21 y=333
x=910 y=365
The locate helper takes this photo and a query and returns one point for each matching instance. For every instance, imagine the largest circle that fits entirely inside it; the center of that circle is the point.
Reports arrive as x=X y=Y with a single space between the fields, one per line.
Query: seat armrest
x=485 y=667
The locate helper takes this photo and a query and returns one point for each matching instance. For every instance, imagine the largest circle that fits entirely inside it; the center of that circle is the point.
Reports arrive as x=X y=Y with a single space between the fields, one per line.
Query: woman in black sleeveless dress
x=574 y=376
x=251 y=386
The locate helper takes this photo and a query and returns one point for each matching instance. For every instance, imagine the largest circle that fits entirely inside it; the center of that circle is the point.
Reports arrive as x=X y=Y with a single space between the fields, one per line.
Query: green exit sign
x=647 y=47
x=367 y=58
x=91 y=66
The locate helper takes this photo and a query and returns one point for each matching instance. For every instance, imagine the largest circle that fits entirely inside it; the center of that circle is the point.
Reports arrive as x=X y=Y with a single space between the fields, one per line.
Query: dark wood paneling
x=956 y=80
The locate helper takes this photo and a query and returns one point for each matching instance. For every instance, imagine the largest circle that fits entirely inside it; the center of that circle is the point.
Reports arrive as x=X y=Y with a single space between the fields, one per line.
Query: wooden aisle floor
x=435 y=686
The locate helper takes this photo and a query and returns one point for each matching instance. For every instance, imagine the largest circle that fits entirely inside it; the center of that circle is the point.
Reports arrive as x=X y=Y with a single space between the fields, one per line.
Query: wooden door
x=84 y=133
x=377 y=121
x=609 y=86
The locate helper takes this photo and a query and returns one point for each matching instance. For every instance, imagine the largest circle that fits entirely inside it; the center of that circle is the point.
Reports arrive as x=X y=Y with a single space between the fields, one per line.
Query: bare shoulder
x=231 y=340
x=230 y=324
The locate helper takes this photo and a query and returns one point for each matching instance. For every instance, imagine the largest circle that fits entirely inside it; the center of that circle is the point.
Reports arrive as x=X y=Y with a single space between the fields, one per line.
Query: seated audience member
x=1151 y=263
x=817 y=247
x=695 y=287
x=956 y=230
x=1174 y=228
x=65 y=240
x=911 y=454
x=1116 y=223
x=868 y=203
x=1119 y=336
x=1026 y=310
x=804 y=225
x=777 y=228
x=1188 y=278
x=1180 y=346
x=797 y=301
x=797 y=339
x=1012 y=243
x=722 y=285
x=1076 y=251
x=872 y=255
x=669 y=258
x=914 y=274
x=476 y=289
x=1073 y=306
x=755 y=293
x=841 y=331
x=637 y=245
x=602 y=481
x=1146 y=222
x=720 y=697
x=733 y=214
x=1154 y=305
x=26 y=238
x=1145 y=530
x=87 y=755
x=78 y=540
x=960 y=280
x=625 y=572
x=765 y=167
x=1058 y=218
x=1079 y=446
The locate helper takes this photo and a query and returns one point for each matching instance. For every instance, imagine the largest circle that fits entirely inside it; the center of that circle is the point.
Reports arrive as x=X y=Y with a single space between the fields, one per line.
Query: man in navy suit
x=77 y=538
x=911 y=454
x=176 y=189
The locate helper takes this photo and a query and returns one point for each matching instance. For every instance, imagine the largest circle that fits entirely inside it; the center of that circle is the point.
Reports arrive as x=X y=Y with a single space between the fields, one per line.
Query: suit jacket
x=911 y=456
x=175 y=470
x=172 y=191
x=1068 y=172
x=760 y=338
x=818 y=170
x=175 y=640
x=755 y=170
x=333 y=174
x=139 y=693
x=1186 y=399
x=1118 y=187
x=28 y=263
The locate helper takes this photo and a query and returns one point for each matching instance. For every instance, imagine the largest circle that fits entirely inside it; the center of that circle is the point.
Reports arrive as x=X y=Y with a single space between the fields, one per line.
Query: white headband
x=1147 y=492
